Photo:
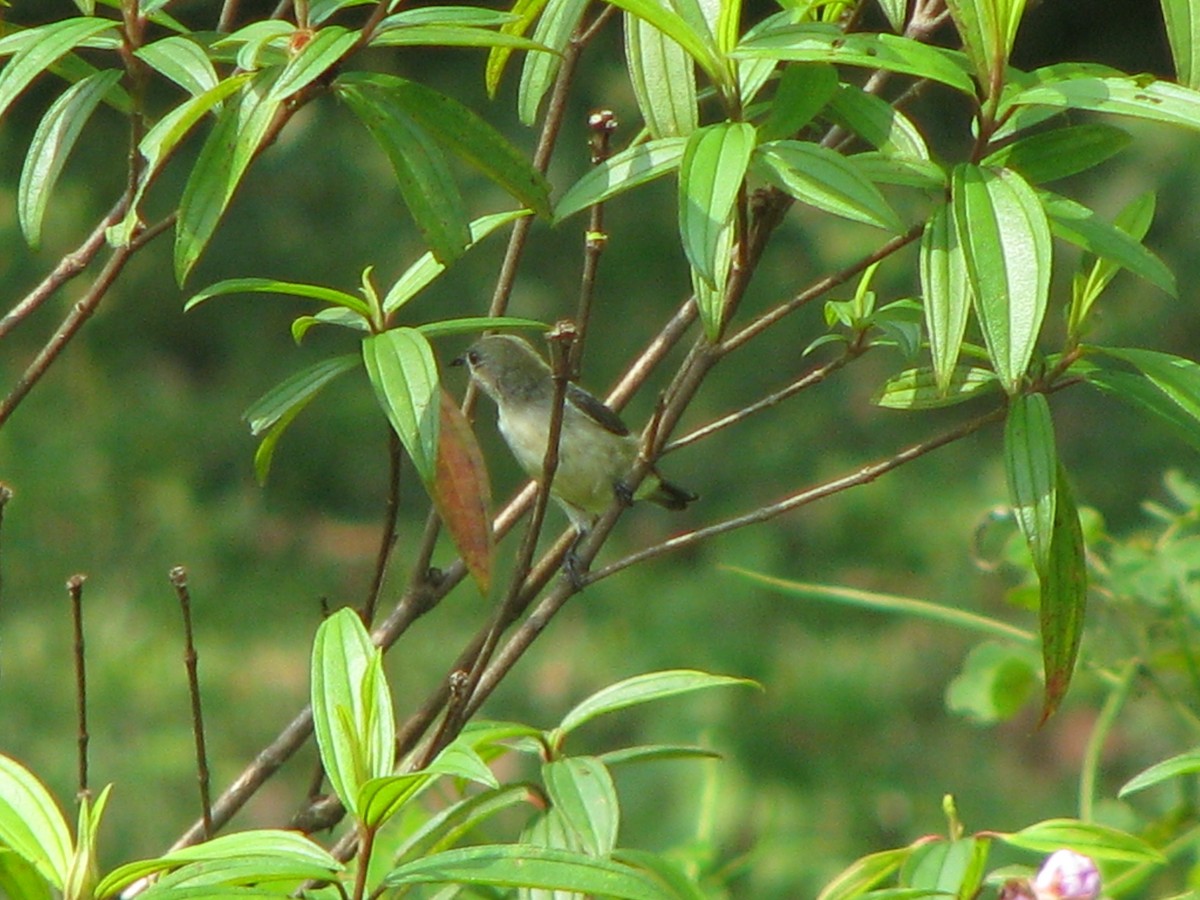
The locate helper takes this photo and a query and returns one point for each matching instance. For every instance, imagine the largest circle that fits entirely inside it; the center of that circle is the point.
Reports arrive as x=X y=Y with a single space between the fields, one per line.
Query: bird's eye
x=473 y=357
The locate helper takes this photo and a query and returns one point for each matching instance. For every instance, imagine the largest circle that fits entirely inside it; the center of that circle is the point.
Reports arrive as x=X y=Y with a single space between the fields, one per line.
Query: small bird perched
x=595 y=449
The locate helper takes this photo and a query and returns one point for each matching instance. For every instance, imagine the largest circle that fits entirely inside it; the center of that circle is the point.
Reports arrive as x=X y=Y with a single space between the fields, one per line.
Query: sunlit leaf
x=558 y=22
x=1061 y=152
x=1006 y=243
x=643 y=689
x=404 y=373
x=863 y=874
x=52 y=143
x=332 y=296
x=802 y=92
x=455 y=35
x=1144 y=395
x=522 y=15
x=41 y=48
x=631 y=167
x=689 y=32
x=896 y=12
x=954 y=867
x=1031 y=465
x=1183 y=32
x=663 y=76
x=20 y=880
x=1138 y=98
x=1100 y=842
x=1183 y=764
x=1176 y=377
x=31 y=823
x=710 y=180
x=1063 y=597
x=318 y=56
x=462 y=493
x=947 y=295
x=1135 y=221
x=582 y=790
x=919 y=388
x=878 y=122
x=183 y=61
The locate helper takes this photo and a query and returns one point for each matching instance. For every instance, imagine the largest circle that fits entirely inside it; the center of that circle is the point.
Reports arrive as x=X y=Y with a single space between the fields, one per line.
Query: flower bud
x=1066 y=875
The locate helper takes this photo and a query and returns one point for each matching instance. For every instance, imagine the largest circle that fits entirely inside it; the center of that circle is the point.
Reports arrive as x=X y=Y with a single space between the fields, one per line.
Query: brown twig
x=6 y=494
x=75 y=593
x=387 y=539
x=601 y=124
x=178 y=576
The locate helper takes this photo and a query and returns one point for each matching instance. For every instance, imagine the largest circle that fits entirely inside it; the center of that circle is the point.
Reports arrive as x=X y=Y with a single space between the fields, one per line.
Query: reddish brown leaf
x=462 y=494
x=1064 y=598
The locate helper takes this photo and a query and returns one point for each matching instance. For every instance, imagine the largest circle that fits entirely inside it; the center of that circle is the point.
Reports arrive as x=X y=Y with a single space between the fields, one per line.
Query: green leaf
x=19 y=880
x=231 y=145
x=625 y=756
x=582 y=790
x=987 y=29
x=422 y=172
x=523 y=14
x=272 y=286
x=471 y=324
x=1143 y=395
x=644 y=689
x=472 y=16
x=352 y=707
x=1183 y=33
x=1062 y=152
x=995 y=682
x=447 y=826
x=42 y=47
x=1134 y=219
x=318 y=56
x=817 y=42
x=455 y=35
x=1031 y=467
x=554 y=29
x=1006 y=243
x=693 y=36
x=31 y=823
x=947 y=296
x=631 y=167
x=823 y=178
x=710 y=180
x=1183 y=764
x=920 y=389
x=1076 y=223
x=404 y=373
x=463 y=132
x=878 y=122
x=1177 y=378
x=953 y=868
x=896 y=12
x=663 y=76
x=1063 y=597
x=710 y=295
x=1136 y=97
x=525 y=865
x=1100 y=842
x=422 y=273
x=51 y=145
x=183 y=61
x=802 y=92
x=863 y=874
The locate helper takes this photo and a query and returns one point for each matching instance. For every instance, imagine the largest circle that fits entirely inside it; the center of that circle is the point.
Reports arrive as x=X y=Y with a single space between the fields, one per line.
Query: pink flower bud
x=1067 y=875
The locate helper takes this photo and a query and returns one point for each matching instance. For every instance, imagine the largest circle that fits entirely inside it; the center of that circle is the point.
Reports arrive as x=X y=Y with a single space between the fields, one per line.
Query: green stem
x=1090 y=768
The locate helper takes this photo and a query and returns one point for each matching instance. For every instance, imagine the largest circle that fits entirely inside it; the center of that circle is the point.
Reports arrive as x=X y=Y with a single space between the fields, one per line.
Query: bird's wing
x=595 y=410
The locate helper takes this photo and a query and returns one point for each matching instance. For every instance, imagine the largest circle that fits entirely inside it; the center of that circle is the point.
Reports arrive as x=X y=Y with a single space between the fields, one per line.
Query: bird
x=596 y=451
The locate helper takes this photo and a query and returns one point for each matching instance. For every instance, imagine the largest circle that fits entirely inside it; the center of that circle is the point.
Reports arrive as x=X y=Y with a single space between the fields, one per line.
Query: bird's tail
x=671 y=496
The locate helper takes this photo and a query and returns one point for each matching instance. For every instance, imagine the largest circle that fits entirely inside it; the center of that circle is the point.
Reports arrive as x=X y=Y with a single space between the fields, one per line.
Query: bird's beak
x=458 y=361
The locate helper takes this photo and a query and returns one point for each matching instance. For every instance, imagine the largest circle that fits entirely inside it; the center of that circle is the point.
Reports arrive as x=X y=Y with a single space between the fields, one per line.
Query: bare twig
x=75 y=593
x=602 y=124
x=178 y=577
x=229 y=10
x=6 y=494
x=387 y=540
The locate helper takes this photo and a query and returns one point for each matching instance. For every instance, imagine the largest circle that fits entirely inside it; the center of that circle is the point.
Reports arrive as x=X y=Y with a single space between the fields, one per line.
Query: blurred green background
x=131 y=457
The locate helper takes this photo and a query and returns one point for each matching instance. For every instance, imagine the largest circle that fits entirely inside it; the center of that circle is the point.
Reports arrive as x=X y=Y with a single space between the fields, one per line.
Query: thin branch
x=602 y=124
x=6 y=494
x=75 y=593
x=387 y=539
x=863 y=475
x=229 y=10
x=178 y=578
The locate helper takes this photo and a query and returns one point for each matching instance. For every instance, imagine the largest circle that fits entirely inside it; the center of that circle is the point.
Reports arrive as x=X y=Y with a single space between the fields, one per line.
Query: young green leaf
x=710 y=295
x=1005 y=237
x=818 y=42
x=1119 y=95
x=982 y=25
x=19 y=880
x=710 y=180
x=525 y=865
x=554 y=29
x=183 y=61
x=1134 y=219
x=295 y=390
x=690 y=32
x=802 y=92
x=522 y=15
x=863 y=874
x=619 y=173
x=422 y=172
x=318 y=56
x=352 y=707
x=896 y=12
x=1177 y=378
x=448 y=825
x=460 y=130
x=1183 y=33
x=272 y=286
x=1100 y=842
x=920 y=388
x=41 y=48
x=643 y=689
x=1144 y=395
x=31 y=823
x=472 y=324
x=404 y=373
x=582 y=790
x=947 y=295
x=462 y=493
x=1184 y=764
x=823 y=178
x=1061 y=152
x=953 y=868
x=1063 y=597
x=995 y=682
x=663 y=76
x=1031 y=466
x=52 y=143
x=455 y=35
x=878 y=122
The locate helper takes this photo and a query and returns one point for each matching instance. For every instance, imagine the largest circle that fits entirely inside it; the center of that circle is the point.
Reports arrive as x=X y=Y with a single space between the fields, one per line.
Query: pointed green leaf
x=710 y=295
x=802 y=92
x=1136 y=97
x=1100 y=842
x=953 y=868
x=817 y=42
x=1134 y=219
x=272 y=286
x=525 y=865
x=183 y=61
x=241 y=127
x=1183 y=764
x=979 y=25
x=582 y=790
x=445 y=827
x=1006 y=243
x=689 y=32
x=896 y=12
x=462 y=131
x=1144 y=395
x=947 y=295
x=863 y=874
x=19 y=880
x=823 y=178
x=51 y=145
x=352 y=707
x=472 y=324
x=41 y=48
x=296 y=390
x=710 y=180
x=31 y=823
x=1031 y=465
x=663 y=76
x=619 y=173
x=404 y=374
x=643 y=689
x=1061 y=152
x=523 y=14
x=1063 y=597
x=1183 y=32
x=456 y=35
x=919 y=388
x=1177 y=378
x=878 y=122
x=554 y=29
x=318 y=56
x=422 y=172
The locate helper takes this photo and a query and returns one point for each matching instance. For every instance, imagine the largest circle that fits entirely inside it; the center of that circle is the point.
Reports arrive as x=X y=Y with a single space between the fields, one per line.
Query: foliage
x=796 y=114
